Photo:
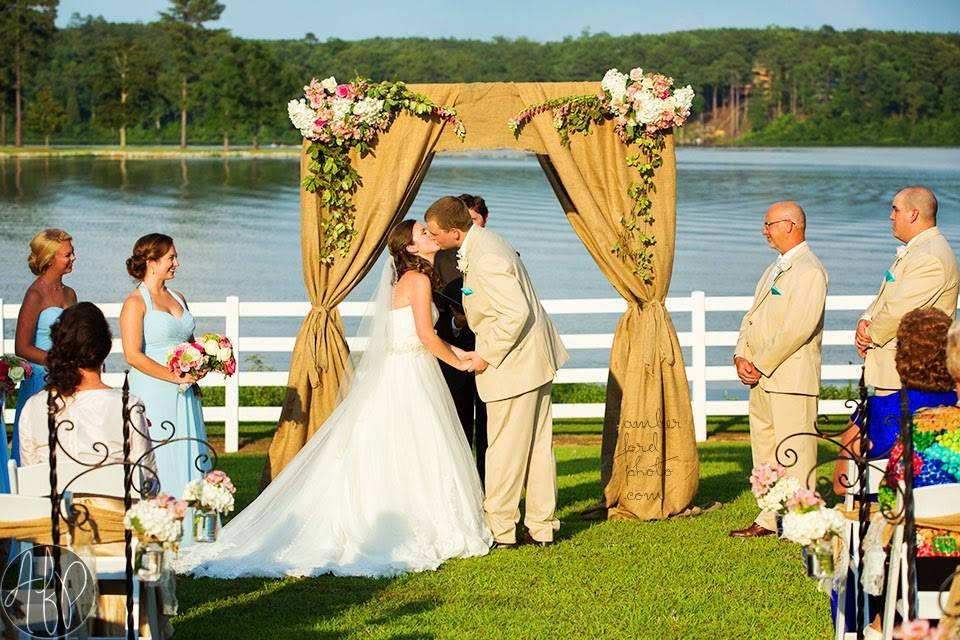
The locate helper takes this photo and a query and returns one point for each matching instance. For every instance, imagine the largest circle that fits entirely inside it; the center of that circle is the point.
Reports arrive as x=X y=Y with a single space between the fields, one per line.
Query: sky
x=541 y=20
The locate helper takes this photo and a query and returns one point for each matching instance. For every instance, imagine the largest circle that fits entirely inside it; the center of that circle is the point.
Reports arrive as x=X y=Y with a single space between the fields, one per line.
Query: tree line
x=182 y=80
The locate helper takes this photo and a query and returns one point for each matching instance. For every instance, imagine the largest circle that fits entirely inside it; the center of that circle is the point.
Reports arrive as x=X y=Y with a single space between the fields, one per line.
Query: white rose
x=16 y=374
x=329 y=84
x=211 y=347
x=224 y=354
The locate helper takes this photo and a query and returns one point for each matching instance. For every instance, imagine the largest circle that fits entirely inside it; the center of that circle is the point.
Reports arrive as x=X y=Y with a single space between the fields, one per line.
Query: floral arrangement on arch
x=643 y=107
x=337 y=119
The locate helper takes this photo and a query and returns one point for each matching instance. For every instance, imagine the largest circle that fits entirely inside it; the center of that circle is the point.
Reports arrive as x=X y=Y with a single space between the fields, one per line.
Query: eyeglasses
x=767 y=225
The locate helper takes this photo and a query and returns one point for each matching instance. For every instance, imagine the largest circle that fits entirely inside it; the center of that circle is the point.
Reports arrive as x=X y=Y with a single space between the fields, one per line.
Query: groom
x=517 y=354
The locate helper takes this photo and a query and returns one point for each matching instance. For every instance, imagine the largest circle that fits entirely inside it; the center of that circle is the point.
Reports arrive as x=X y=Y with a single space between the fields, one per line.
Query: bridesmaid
x=152 y=321
x=51 y=257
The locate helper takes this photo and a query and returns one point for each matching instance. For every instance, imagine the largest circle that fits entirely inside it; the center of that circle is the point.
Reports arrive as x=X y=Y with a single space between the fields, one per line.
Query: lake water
x=236 y=222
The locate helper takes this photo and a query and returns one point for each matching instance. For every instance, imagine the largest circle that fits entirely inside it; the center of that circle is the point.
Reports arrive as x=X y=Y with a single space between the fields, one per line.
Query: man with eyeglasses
x=923 y=275
x=778 y=354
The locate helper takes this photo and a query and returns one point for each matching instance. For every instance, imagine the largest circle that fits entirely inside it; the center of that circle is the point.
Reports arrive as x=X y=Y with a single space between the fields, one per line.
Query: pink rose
x=636 y=74
x=344 y=91
x=230 y=366
x=804 y=499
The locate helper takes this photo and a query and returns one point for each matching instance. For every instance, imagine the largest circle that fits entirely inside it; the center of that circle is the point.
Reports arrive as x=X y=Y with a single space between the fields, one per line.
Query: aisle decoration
x=643 y=108
x=340 y=118
x=158 y=526
x=13 y=371
x=210 y=497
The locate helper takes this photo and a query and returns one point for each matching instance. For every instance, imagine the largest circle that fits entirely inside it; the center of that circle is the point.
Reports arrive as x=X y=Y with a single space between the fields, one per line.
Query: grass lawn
x=682 y=578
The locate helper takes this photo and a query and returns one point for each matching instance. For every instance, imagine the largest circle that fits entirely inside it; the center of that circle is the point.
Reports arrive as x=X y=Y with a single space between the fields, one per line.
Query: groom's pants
x=520 y=452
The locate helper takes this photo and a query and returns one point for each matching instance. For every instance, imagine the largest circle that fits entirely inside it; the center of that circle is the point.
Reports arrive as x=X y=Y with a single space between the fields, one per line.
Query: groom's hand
x=479 y=364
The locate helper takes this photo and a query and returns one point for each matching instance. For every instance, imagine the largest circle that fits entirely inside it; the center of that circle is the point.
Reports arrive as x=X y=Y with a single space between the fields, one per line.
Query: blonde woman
x=51 y=258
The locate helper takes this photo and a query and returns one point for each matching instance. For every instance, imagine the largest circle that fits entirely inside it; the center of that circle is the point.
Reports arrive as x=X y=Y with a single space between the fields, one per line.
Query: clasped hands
x=748 y=374
x=470 y=361
x=863 y=339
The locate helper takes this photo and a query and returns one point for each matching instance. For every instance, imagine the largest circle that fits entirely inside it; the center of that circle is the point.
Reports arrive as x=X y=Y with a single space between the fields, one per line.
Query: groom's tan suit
x=781 y=335
x=518 y=340
x=923 y=275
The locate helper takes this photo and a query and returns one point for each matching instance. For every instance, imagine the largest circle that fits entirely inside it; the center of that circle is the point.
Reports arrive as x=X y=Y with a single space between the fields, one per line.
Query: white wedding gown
x=387 y=485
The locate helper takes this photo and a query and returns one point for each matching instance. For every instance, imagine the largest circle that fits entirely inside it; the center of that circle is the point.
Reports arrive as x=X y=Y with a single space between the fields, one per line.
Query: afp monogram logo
x=35 y=582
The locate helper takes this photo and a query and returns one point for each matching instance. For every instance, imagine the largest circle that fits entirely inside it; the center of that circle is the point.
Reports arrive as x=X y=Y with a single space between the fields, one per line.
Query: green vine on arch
x=643 y=108
x=337 y=119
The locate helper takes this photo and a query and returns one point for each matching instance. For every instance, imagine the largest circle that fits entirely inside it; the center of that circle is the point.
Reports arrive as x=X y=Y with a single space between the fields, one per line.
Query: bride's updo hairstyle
x=43 y=249
x=400 y=237
x=81 y=340
x=152 y=246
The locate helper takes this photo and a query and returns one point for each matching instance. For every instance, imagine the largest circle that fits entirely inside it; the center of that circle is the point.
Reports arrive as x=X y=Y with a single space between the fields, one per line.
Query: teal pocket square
x=775 y=291
x=888 y=276
x=466 y=291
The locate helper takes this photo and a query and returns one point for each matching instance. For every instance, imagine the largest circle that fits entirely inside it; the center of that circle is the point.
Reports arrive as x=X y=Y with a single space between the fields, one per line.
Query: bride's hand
x=466 y=364
x=460 y=353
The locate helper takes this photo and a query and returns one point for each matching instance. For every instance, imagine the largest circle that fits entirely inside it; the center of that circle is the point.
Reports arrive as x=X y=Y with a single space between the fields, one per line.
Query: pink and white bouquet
x=13 y=371
x=359 y=111
x=644 y=101
x=213 y=493
x=772 y=488
x=212 y=352
x=219 y=353
x=158 y=520
x=809 y=521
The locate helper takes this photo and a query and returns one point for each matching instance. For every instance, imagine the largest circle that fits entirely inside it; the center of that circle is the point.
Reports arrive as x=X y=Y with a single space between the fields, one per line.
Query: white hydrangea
x=683 y=98
x=153 y=523
x=776 y=498
x=368 y=110
x=204 y=495
x=615 y=83
x=302 y=117
x=811 y=526
x=647 y=107
x=341 y=109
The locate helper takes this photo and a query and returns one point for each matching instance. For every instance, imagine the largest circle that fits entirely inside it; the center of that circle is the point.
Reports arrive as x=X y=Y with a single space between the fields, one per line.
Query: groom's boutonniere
x=461 y=262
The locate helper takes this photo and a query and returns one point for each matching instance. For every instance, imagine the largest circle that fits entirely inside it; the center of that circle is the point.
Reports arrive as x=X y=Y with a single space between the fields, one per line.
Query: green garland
x=576 y=115
x=330 y=173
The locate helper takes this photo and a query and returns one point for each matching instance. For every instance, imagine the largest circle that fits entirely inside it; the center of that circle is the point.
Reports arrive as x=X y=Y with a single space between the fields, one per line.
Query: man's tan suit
x=923 y=275
x=781 y=335
x=523 y=349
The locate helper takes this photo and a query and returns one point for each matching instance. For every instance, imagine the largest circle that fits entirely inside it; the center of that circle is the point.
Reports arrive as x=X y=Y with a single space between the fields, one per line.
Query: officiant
x=452 y=327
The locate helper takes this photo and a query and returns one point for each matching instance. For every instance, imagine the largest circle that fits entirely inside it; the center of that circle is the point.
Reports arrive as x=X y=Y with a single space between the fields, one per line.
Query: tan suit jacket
x=923 y=277
x=782 y=332
x=514 y=334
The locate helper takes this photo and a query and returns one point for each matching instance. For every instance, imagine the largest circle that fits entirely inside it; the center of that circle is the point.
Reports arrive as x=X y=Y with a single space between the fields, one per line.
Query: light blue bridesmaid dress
x=30 y=386
x=177 y=462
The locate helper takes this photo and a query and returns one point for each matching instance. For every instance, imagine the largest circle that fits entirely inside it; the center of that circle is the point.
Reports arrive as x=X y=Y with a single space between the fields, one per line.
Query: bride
x=387 y=485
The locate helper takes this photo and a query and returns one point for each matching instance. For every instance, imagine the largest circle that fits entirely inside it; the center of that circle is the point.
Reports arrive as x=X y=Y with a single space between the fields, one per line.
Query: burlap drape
x=391 y=177
x=654 y=467
x=96 y=526
x=651 y=469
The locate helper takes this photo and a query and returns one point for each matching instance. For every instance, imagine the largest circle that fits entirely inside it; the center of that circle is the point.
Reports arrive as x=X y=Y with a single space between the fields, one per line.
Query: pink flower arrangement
x=212 y=352
x=919 y=630
x=804 y=500
x=187 y=358
x=219 y=478
x=218 y=351
x=176 y=508
x=13 y=371
x=763 y=477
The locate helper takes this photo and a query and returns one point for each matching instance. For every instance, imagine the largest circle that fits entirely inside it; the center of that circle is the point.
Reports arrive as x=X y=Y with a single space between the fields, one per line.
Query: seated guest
x=81 y=343
x=922 y=366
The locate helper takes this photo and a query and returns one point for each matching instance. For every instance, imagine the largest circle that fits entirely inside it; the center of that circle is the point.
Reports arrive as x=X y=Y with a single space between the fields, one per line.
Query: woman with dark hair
x=51 y=258
x=387 y=484
x=81 y=343
x=154 y=319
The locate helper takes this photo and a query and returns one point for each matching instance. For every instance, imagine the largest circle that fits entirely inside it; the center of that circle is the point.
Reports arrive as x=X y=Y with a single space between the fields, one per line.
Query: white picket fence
x=699 y=373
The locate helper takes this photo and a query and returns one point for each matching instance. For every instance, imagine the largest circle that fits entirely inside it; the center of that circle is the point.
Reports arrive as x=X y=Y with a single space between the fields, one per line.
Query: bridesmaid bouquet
x=13 y=371
x=213 y=493
x=212 y=352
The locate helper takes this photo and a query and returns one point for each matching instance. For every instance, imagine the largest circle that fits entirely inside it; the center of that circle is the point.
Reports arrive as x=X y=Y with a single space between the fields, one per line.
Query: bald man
x=778 y=353
x=923 y=275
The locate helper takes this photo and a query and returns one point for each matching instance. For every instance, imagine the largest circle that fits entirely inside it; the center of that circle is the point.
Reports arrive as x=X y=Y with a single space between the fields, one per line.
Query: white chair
x=873 y=476
x=928 y=502
x=34 y=480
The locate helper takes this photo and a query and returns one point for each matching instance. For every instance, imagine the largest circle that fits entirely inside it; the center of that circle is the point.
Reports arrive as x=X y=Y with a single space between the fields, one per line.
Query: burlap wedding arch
x=649 y=467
